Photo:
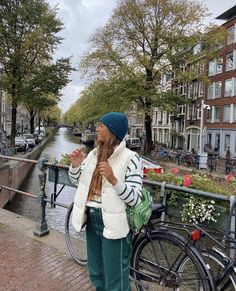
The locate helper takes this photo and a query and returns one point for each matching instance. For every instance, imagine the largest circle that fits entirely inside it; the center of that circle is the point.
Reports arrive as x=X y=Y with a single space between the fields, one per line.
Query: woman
x=108 y=179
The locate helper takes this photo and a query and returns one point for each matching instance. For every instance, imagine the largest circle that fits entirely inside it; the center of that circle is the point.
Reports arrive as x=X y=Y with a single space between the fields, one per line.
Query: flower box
x=176 y=209
x=60 y=176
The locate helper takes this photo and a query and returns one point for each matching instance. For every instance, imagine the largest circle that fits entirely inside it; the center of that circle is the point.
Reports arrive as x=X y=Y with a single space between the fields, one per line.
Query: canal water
x=63 y=142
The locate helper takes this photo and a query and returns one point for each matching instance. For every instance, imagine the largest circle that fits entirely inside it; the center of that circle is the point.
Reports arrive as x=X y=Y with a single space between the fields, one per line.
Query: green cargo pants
x=108 y=259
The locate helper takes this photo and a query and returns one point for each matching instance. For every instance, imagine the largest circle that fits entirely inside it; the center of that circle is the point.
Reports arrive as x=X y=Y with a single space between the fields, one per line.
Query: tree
x=53 y=115
x=41 y=89
x=145 y=39
x=28 y=37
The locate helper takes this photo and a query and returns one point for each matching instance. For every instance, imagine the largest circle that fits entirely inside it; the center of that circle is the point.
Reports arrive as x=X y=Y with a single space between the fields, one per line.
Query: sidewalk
x=29 y=263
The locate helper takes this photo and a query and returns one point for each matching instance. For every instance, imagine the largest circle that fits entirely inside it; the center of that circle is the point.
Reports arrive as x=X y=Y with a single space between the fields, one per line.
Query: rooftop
x=228 y=14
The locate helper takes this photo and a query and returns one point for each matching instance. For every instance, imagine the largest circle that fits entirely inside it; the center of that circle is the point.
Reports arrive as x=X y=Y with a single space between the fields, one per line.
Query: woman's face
x=102 y=132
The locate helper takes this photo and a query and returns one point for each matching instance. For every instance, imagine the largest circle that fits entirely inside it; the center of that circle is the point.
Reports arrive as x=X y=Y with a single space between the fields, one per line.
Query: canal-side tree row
x=28 y=39
x=142 y=41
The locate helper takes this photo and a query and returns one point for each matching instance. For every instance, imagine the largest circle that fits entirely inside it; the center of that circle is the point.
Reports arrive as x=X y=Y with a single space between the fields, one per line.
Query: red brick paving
x=29 y=265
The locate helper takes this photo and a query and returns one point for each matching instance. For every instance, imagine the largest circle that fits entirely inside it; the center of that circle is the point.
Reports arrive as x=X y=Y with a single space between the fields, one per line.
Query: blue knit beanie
x=117 y=123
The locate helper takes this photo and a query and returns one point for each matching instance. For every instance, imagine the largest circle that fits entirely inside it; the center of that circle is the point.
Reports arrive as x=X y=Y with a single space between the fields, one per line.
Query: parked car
x=37 y=138
x=30 y=140
x=133 y=143
x=21 y=144
x=41 y=131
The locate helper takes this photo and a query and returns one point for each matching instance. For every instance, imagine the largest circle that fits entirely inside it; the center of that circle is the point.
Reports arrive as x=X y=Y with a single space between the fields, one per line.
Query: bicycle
x=222 y=265
x=212 y=162
x=160 y=257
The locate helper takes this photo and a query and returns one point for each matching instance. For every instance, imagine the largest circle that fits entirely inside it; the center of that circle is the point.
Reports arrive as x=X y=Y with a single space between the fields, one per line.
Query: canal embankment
x=14 y=173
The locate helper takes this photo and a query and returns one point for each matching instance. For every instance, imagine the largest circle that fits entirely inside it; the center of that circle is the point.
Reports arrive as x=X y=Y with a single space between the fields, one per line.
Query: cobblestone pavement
x=30 y=265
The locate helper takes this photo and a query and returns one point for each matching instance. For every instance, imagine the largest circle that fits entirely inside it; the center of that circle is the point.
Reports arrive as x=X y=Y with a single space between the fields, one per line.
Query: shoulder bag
x=139 y=215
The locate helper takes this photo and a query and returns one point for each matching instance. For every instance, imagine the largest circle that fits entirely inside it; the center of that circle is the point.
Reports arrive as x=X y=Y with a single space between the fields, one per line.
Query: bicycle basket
x=139 y=215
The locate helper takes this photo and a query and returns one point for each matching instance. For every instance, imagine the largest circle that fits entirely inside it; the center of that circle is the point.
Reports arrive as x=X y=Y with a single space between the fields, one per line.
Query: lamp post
x=203 y=106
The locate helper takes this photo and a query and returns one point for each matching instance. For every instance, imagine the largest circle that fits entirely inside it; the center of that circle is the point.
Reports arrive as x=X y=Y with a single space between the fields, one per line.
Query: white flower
x=199 y=210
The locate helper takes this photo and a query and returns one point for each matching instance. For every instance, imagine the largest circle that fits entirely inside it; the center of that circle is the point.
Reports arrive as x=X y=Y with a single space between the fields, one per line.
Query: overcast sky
x=81 y=18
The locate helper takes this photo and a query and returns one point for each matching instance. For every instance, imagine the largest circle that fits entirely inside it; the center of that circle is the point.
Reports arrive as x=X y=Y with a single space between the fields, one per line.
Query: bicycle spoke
x=159 y=261
x=76 y=242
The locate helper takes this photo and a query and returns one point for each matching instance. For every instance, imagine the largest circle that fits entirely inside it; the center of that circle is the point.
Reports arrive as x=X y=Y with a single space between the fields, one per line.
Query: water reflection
x=63 y=142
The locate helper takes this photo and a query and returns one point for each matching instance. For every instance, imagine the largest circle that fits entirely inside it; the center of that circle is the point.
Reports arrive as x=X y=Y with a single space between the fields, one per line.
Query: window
x=226 y=113
x=198 y=113
x=164 y=121
x=228 y=87
x=234 y=113
x=217 y=114
x=210 y=91
x=183 y=89
x=194 y=112
x=188 y=112
x=195 y=89
x=218 y=86
x=201 y=87
x=219 y=65
x=227 y=141
x=211 y=68
x=234 y=86
x=209 y=115
x=230 y=36
x=190 y=90
x=229 y=61
x=202 y=67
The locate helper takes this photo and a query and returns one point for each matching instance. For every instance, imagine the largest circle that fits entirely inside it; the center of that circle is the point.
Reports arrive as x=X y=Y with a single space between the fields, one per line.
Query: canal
x=63 y=142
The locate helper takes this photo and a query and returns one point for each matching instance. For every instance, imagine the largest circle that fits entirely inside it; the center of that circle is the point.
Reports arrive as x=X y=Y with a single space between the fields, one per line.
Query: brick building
x=220 y=93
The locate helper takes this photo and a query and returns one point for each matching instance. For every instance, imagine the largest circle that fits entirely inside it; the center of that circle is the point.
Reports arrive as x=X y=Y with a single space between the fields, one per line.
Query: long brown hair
x=105 y=150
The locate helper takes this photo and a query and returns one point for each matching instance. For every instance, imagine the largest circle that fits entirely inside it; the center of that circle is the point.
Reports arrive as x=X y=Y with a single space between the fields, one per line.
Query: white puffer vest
x=113 y=207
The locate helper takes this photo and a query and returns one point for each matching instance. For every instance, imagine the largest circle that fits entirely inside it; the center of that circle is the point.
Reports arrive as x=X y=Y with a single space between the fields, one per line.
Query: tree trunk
x=148 y=129
x=32 y=122
x=39 y=121
x=148 y=106
x=13 y=125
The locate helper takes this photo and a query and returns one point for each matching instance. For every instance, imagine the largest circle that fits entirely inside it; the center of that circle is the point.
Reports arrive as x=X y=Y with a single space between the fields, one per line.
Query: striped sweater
x=129 y=190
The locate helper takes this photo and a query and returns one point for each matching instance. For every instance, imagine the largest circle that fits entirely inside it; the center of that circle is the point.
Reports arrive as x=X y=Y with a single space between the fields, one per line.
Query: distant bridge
x=66 y=125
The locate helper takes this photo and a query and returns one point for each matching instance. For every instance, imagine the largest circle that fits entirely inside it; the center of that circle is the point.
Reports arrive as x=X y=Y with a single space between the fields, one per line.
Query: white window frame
x=211 y=73
x=212 y=91
x=227 y=80
x=226 y=116
x=209 y=112
x=215 y=87
x=232 y=34
x=227 y=68
x=216 y=120
x=216 y=65
x=234 y=113
x=188 y=112
x=201 y=89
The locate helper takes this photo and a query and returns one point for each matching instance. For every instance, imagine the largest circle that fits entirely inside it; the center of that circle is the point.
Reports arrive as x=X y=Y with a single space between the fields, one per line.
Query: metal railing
x=42 y=198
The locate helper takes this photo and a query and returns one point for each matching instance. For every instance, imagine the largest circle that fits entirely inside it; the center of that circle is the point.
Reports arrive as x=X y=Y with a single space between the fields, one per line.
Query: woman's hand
x=106 y=170
x=77 y=157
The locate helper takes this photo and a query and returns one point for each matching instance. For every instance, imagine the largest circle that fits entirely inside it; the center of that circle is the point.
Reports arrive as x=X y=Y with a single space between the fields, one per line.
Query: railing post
x=232 y=225
x=164 y=199
x=42 y=227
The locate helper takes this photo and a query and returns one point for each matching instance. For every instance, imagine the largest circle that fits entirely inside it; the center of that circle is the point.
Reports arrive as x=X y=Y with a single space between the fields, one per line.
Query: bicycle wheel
x=218 y=264
x=157 y=260
x=76 y=242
